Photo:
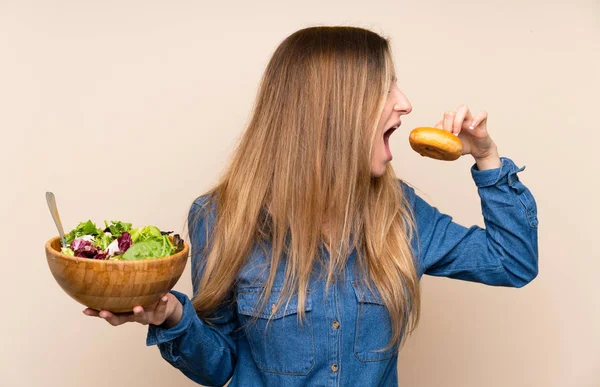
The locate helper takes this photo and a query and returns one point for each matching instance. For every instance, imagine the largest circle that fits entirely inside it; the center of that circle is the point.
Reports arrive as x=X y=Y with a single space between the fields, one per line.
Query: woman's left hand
x=472 y=131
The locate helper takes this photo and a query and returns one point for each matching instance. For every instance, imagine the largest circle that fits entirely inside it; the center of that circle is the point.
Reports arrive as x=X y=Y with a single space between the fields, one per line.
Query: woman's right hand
x=167 y=311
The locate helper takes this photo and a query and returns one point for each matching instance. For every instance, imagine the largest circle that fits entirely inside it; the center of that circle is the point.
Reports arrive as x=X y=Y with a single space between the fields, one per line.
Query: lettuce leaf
x=85 y=249
x=145 y=233
x=104 y=239
x=152 y=247
x=124 y=242
x=117 y=228
x=83 y=228
x=68 y=251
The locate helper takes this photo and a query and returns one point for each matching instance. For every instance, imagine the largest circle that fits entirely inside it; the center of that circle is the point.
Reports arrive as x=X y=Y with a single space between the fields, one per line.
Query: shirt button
x=334 y=367
x=336 y=325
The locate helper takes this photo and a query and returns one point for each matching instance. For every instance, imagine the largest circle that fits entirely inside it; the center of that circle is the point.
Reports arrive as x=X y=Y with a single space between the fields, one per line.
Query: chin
x=378 y=171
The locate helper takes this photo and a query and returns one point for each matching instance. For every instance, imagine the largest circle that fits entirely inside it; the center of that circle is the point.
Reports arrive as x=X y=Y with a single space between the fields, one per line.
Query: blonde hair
x=303 y=162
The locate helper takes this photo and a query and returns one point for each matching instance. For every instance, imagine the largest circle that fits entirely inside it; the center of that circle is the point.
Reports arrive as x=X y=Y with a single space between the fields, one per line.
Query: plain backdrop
x=130 y=109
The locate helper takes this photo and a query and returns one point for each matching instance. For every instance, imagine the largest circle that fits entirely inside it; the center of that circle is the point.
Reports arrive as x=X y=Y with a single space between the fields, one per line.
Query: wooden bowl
x=116 y=286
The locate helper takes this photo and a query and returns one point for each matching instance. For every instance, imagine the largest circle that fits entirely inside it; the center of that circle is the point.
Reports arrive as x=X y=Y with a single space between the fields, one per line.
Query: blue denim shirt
x=337 y=343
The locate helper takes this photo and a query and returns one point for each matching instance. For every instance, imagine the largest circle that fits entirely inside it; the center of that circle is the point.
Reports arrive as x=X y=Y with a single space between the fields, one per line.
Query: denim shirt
x=337 y=343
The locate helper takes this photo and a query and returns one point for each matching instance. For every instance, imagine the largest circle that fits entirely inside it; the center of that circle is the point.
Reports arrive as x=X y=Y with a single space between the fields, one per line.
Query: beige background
x=129 y=109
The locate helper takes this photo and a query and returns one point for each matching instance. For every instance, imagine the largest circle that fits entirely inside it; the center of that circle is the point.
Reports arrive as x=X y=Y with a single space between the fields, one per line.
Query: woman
x=307 y=255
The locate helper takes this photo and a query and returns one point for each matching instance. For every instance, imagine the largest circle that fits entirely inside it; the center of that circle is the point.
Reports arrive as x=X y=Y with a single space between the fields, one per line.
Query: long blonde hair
x=304 y=160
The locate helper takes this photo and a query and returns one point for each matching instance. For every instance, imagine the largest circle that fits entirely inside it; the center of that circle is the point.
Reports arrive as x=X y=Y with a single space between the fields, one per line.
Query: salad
x=119 y=241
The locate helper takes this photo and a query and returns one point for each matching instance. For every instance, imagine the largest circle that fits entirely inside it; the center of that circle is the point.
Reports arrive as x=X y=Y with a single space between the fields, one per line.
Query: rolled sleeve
x=157 y=335
x=506 y=174
x=489 y=177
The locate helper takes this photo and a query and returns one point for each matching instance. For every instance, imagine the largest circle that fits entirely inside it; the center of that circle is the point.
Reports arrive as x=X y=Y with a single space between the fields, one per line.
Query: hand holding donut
x=467 y=134
x=471 y=130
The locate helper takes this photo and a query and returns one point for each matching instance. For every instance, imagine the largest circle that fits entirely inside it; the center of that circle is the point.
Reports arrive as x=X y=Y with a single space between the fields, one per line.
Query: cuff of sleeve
x=494 y=176
x=158 y=335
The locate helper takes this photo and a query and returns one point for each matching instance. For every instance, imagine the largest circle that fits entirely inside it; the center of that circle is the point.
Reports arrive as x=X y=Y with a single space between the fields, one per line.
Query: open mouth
x=389 y=132
x=386 y=136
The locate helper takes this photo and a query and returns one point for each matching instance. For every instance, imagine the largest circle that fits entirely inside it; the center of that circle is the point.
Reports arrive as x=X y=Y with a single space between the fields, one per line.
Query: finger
x=108 y=316
x=115 y=319
x=479 y=118
x=140 y=315
x=161 y=309
x=440 y=124
x=91 y=312
x=462 y=113
x=449 y=120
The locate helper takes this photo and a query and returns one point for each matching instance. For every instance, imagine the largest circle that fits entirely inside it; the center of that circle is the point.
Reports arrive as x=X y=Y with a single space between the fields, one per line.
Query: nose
x=403 y=104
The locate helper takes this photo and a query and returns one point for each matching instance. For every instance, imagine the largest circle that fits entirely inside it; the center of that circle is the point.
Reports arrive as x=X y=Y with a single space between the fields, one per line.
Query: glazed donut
x=436 y=143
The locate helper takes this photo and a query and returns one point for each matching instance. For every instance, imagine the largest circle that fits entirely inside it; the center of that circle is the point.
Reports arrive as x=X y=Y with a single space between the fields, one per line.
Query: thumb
x=160 y=309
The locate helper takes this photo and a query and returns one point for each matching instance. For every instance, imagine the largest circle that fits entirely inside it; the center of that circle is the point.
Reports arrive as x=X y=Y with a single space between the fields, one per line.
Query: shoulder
x=202 y=203
x=423 y=213
x=202 y=211
x=407 y=191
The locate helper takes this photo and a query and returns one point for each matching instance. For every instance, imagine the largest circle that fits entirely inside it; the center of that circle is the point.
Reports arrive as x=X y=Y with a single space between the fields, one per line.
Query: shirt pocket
x=373 y=326
x=281 y=343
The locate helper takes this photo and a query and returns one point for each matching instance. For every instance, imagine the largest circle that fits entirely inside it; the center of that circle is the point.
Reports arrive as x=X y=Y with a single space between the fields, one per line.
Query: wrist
x=490 y=160
x=175 y=316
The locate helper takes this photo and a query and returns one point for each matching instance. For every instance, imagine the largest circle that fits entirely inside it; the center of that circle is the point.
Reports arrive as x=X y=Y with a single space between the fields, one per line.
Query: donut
x=436 y=143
